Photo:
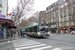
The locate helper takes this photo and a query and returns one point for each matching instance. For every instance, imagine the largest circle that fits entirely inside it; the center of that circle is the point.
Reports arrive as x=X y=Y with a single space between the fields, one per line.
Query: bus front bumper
x=46 y=35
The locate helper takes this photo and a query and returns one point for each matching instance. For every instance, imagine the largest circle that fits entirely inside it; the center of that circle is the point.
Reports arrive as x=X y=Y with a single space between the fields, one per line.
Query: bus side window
x=31 y=29
x=35 y=29
x=28 y=30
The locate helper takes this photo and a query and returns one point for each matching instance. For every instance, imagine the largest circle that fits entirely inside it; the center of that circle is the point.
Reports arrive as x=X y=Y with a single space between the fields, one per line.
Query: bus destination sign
x=43 y=24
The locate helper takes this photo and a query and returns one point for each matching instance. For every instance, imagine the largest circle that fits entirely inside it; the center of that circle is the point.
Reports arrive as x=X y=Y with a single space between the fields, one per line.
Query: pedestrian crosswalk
x=26 y=44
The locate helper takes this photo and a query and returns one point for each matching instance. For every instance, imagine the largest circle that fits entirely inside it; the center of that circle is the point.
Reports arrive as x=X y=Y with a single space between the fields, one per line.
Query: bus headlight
x=49 y=33
x=39 y=33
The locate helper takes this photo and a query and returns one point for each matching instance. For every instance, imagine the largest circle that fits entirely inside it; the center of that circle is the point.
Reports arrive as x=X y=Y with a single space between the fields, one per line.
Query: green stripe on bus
x=35 y=33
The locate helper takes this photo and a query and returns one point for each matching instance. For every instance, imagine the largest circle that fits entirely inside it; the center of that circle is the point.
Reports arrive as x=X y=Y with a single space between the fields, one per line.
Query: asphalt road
x=53 y=42
x=7 y=45
x=63 y=42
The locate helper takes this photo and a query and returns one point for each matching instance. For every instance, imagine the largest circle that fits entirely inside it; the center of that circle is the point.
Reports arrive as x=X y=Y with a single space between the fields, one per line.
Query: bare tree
x=36 y=15
x=24 y=23
x=22 y=9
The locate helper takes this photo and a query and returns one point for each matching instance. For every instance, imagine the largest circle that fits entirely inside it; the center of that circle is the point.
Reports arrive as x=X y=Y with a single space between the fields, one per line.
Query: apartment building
x=52 y=13
x=61 y=16
x=42 y=17
x=3 y=7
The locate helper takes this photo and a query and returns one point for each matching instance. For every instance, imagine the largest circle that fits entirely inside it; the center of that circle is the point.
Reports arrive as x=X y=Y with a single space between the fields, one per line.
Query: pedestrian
x=11 y=33
x=56 y=32
x=61 y=31
x=21 y=34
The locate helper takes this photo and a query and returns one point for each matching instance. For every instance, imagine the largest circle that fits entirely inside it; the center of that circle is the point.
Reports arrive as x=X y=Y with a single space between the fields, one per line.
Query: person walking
x=61 y=31
x=21 y=34
x=14 y=34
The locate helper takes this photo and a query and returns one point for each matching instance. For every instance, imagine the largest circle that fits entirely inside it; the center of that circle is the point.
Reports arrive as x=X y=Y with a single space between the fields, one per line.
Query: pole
x=58 y=16
x=19 y=26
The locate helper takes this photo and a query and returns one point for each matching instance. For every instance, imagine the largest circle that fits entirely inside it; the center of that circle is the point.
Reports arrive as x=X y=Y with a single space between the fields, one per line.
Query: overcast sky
x=39 y=5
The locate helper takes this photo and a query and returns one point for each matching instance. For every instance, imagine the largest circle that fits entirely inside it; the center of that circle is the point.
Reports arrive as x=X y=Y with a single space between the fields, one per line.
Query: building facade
x=61 y=16
x=4 y=7
x=42 y=17
x=5 y=24
x=5 y=27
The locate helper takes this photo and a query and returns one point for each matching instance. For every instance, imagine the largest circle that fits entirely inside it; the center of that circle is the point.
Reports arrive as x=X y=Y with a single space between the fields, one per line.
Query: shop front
x=53 y=29
x=5 y=25
x=64 y=29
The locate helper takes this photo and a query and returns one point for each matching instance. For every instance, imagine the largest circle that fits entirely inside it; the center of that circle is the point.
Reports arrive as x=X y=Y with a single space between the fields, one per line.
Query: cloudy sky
x=39 y=5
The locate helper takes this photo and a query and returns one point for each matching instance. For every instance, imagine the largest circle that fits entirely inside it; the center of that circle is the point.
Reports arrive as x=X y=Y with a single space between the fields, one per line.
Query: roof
x=32 y=26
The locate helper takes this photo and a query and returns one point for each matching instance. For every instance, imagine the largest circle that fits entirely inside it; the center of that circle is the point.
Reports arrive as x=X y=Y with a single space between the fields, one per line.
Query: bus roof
x=32 y=26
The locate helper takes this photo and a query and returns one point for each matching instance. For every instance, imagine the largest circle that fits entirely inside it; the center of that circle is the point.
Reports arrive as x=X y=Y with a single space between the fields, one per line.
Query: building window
x=61 y=16
x=69 y=18
x=74 y=11
x=0 y=3
x=64 y=15
x=61 y=20
x=47 y=8
x=62 y=25
x=65 y=24
x=74 y=18
x=65 y=19
x=70 y=23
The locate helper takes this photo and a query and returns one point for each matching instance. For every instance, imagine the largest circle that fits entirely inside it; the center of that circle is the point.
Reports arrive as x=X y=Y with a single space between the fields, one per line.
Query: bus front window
x=43 y=28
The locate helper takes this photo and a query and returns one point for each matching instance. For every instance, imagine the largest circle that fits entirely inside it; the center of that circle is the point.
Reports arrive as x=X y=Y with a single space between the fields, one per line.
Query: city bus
x=39 y=30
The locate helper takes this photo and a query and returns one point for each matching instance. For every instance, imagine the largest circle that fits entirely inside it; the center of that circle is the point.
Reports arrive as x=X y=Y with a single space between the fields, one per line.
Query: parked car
x=72 y=32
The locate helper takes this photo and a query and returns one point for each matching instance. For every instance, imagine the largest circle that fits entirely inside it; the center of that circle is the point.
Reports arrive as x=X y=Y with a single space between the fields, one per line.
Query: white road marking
x=25 y=44
x=8 y=41
x=56 y=49
x=30 y=46
x=42 y=48
x=24 y=41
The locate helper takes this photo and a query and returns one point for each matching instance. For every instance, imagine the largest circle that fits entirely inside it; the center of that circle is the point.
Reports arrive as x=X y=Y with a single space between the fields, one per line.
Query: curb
x=6 y=40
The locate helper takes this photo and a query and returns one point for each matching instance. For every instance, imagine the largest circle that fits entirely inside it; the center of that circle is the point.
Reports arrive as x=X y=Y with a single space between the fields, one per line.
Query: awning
x=73 y=26
x=64 y=27
x=11 y=24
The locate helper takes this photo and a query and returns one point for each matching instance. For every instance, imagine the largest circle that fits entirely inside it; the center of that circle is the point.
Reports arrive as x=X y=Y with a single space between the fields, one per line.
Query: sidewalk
x=9 y=39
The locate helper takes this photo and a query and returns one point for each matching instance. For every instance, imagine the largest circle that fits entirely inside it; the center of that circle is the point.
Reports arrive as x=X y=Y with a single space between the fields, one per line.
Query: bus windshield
x=43 y=28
